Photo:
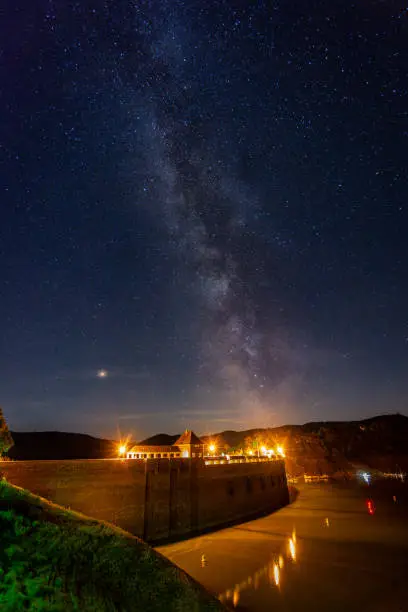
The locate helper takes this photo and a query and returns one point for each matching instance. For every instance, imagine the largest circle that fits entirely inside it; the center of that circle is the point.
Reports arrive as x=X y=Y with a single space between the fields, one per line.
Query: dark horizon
x=207 y=434
x=204 y=214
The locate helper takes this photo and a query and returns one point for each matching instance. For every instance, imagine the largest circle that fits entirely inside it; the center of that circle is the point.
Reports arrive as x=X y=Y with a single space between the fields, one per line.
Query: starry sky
x=203 y=217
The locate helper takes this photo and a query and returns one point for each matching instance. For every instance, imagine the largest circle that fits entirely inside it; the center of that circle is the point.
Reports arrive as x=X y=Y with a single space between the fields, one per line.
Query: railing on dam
x=224 y=460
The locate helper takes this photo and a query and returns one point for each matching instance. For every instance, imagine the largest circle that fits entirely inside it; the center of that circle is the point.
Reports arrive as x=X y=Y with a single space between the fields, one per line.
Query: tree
x=221 y=445
x=6 y=441
x=255 y=442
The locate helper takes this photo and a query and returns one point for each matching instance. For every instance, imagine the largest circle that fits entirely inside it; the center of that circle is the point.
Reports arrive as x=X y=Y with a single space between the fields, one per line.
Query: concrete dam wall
x=156 y=499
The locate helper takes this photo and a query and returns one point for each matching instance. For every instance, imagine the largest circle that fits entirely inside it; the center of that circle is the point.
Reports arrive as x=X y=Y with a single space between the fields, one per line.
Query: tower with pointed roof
x=190 y=445
x=6 y=441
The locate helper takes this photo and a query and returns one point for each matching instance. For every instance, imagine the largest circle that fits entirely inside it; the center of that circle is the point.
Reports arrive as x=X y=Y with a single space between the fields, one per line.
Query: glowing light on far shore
x=122 y=449
x=102 y=373
x=211 y=448
x=280 y=450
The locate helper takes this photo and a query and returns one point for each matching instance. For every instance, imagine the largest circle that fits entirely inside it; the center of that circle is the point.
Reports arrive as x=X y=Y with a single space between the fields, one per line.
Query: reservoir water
x=335 y=548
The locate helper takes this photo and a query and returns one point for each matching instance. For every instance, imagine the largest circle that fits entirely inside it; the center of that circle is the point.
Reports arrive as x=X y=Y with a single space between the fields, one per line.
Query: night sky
x=203 y=217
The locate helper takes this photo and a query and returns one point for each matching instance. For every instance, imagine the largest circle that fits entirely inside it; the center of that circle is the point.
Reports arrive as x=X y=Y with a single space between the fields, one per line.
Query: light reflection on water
x=292 y=549
x=270 y=573
x=274 y=578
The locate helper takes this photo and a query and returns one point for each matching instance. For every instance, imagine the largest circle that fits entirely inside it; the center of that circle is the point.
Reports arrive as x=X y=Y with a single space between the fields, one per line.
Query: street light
x=122 y=449
x=211 y=448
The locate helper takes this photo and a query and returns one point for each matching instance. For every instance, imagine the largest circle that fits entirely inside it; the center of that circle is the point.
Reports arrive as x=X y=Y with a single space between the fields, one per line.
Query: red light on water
x=370 y=506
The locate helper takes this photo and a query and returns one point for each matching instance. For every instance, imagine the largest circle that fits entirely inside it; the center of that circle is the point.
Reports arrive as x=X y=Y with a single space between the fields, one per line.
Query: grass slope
x=55 y=560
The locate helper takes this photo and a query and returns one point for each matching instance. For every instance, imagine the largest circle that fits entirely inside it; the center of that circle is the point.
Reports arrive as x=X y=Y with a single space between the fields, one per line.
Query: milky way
x=208 y=203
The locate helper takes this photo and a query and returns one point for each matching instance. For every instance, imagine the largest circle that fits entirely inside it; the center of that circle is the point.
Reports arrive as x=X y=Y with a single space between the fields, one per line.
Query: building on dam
x=188 y=445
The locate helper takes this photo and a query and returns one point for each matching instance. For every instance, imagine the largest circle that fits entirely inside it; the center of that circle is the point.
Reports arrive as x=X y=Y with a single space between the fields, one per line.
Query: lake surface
x=337 y=547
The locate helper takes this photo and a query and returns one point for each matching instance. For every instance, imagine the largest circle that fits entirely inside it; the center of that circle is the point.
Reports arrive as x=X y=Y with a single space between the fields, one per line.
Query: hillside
x=70 y=562
x=327 y=447
x=59 y=445
x=161 y=439
x=324 y=447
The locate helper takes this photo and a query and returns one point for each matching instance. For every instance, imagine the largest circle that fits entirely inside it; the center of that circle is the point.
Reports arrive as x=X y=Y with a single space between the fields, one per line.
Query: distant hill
x=161 y=439
x=394 y=425
x=379 y=442
x=322 y=447
x=331 y=447
x=59 y=445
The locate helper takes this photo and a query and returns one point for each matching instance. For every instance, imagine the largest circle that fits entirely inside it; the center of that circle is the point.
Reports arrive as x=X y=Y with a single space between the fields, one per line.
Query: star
x=209 y=200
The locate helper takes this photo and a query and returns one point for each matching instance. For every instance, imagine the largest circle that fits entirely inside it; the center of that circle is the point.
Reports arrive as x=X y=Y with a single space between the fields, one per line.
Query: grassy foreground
x=55 y=560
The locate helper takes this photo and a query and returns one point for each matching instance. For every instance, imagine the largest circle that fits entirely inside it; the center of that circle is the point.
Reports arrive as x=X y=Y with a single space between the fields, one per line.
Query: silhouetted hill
x=161 y=439
x=380 y=442
x=322 y=447
x=59 y=445
x=330 y=447
x=394 y=425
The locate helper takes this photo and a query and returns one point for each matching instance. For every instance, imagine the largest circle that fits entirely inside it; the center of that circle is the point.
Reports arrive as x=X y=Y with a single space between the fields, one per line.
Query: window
x=171 y=455
x=177 y=454
x=164 y=454
x=151 y=455
x=158 y=455
x=145 y=456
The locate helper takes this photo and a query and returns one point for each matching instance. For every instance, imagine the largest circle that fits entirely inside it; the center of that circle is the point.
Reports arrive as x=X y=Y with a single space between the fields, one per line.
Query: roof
x=188 y=437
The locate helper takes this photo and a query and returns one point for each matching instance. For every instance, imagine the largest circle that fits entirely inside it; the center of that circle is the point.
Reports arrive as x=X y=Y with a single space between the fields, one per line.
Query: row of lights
x=122 y=450
x=265 y=452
